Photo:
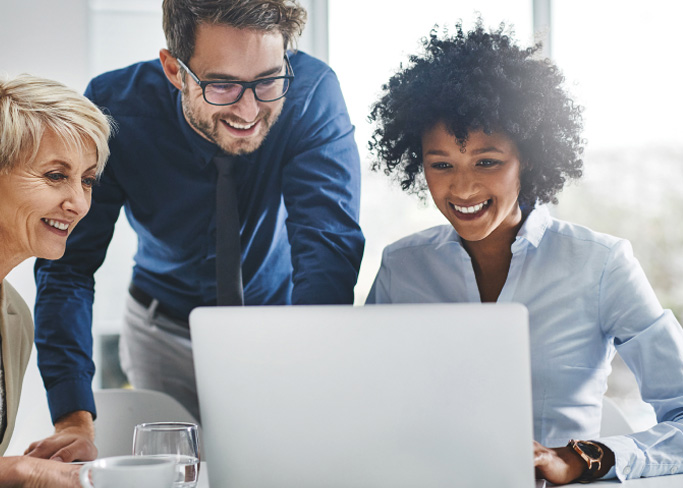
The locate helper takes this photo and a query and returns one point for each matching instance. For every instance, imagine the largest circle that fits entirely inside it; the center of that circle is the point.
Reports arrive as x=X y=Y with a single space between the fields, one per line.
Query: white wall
x=45 y=38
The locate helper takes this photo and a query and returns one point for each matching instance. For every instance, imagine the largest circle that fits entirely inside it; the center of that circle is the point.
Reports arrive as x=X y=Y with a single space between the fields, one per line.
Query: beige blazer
x=16 y=328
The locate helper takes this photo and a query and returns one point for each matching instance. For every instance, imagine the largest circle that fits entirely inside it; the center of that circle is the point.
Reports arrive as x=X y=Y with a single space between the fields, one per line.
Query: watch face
x=590 y=449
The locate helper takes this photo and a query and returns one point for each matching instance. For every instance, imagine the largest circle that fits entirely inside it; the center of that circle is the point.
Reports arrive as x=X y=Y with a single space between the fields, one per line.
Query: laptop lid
x=386 y=396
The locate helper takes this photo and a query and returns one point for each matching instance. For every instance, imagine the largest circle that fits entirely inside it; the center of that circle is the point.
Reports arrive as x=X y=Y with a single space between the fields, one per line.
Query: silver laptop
x=385 y=396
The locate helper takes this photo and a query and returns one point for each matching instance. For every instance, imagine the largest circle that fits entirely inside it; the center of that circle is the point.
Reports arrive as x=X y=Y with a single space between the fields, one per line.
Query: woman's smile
x=470 y=212
x=60 y=227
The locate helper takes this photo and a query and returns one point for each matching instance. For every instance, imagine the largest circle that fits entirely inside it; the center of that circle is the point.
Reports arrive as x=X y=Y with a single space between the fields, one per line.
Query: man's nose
x=247 y=108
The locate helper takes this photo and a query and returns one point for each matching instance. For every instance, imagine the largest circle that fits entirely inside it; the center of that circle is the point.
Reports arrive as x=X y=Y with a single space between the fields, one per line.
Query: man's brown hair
x=181 y=18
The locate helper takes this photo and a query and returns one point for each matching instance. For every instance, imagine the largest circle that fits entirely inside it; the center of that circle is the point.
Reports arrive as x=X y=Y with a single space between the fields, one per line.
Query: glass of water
x=175 y=440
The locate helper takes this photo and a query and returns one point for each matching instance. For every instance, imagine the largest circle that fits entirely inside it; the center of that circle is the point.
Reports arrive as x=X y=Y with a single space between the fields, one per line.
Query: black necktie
x=228 y=248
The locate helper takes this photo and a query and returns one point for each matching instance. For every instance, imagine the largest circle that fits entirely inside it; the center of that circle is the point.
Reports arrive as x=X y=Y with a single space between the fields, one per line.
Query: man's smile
x=241 y=129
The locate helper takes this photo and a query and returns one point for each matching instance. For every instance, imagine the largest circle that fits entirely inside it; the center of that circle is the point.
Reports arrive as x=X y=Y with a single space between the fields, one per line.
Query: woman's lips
x=58 y=227
x=470 y=212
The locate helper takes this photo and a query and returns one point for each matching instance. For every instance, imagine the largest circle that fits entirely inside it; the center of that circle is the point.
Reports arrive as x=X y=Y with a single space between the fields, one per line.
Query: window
x=621 y=62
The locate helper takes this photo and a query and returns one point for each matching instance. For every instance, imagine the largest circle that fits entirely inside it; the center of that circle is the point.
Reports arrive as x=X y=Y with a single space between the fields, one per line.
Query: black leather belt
x=146 y=300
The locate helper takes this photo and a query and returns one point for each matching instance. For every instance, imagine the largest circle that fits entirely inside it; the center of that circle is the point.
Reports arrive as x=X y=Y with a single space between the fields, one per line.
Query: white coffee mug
x=129 y=472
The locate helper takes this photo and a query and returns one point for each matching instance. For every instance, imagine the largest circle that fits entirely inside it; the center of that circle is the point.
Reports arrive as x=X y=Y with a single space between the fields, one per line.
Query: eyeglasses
x=229 y=92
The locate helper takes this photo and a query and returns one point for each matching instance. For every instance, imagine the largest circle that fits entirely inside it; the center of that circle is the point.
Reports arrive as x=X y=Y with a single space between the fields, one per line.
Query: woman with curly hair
x=487 y=128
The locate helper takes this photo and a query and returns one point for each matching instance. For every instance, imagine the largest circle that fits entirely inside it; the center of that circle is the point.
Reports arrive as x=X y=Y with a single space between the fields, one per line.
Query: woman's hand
x=562 y=465
x=27 y=472
x=72 y=440
x=559 y=465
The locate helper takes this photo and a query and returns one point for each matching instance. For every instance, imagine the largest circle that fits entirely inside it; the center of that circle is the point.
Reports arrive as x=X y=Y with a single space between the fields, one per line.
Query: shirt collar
x=532 y=230
x=452 y=237
x=535 y=225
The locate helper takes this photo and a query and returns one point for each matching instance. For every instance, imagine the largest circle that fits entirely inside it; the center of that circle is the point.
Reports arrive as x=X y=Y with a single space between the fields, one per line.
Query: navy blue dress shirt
x=299 y=197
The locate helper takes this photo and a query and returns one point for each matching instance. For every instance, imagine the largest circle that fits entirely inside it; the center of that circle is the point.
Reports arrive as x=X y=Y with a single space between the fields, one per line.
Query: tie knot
x=224 y=163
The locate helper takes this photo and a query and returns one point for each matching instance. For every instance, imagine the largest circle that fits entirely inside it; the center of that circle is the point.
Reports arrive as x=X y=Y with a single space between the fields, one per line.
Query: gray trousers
x=156 y=354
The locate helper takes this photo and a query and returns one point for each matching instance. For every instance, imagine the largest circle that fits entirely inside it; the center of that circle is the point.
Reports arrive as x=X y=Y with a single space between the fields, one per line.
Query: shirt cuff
x=69 y=396
x=629 y=461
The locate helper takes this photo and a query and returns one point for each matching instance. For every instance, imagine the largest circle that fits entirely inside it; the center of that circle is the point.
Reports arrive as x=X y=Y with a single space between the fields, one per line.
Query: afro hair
x=480 y=80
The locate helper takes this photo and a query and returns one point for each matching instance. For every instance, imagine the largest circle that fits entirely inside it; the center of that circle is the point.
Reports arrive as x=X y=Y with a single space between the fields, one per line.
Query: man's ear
x=171 y=68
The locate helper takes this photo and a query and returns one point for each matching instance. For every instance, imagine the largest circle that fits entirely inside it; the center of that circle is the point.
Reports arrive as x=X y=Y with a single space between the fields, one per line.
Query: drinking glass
x=178 y=441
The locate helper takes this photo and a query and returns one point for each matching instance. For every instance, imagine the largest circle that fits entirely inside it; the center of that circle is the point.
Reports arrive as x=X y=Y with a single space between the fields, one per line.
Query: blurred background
x=618 y=57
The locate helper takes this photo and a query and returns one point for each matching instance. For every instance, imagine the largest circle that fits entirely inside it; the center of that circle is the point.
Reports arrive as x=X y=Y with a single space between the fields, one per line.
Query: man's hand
x=72 y=440
x=37 y=473
x=562 y=465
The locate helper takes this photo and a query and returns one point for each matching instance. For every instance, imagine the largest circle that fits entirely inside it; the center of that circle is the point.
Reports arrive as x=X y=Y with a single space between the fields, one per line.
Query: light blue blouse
x=587 y=297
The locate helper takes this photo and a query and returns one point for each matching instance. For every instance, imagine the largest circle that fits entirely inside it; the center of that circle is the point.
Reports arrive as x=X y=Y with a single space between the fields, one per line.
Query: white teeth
x=241 y=126
x=472 y=209
x=56 y=225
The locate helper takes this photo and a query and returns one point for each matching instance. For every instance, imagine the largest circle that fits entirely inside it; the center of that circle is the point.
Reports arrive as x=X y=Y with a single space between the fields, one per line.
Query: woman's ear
x=171 y=68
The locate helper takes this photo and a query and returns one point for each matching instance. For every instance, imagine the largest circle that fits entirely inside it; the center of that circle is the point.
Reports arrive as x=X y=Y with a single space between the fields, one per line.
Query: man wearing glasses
x=227 y=119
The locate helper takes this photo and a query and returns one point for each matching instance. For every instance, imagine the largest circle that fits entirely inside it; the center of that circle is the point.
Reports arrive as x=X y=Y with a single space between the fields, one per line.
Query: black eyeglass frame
x=245 y=84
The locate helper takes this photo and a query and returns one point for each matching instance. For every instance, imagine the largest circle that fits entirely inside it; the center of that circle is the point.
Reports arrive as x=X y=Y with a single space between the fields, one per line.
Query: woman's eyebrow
x=58 y=161
x=436 y=152
x=486 y=149
x=66 y=165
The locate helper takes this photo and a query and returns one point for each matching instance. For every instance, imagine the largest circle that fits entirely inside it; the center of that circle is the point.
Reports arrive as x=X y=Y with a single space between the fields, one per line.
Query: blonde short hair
x=29 y=105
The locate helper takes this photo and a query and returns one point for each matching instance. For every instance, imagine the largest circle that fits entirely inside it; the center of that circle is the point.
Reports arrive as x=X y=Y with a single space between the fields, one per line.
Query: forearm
x=325 y=265
x=655 y=357
x=80 y=421
x=657 y=451
x=63 y=337
x=10 y=476
x=25 y=472
x=64 y=299
x=20 y=472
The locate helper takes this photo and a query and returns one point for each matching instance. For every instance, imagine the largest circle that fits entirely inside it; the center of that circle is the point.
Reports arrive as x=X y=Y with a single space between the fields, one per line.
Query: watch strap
x=592 y=453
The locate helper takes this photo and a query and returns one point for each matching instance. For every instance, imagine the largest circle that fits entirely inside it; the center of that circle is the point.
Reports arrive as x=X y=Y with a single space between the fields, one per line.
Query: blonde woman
x=53 y=147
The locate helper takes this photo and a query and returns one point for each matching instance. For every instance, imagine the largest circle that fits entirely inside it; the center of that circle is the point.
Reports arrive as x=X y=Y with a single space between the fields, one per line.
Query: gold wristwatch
x=592 y=454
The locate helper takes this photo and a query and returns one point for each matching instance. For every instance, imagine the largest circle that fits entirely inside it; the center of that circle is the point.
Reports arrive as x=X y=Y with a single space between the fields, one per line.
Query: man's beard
x=233 y=145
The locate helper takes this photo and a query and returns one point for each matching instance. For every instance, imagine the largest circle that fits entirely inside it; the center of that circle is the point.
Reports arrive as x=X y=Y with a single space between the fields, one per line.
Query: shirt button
x=674 y=469
x=627 y=470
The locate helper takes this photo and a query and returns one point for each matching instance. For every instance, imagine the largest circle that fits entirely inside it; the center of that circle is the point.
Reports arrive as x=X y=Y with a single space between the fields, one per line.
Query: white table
x=203 y=476
x=673 y=481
